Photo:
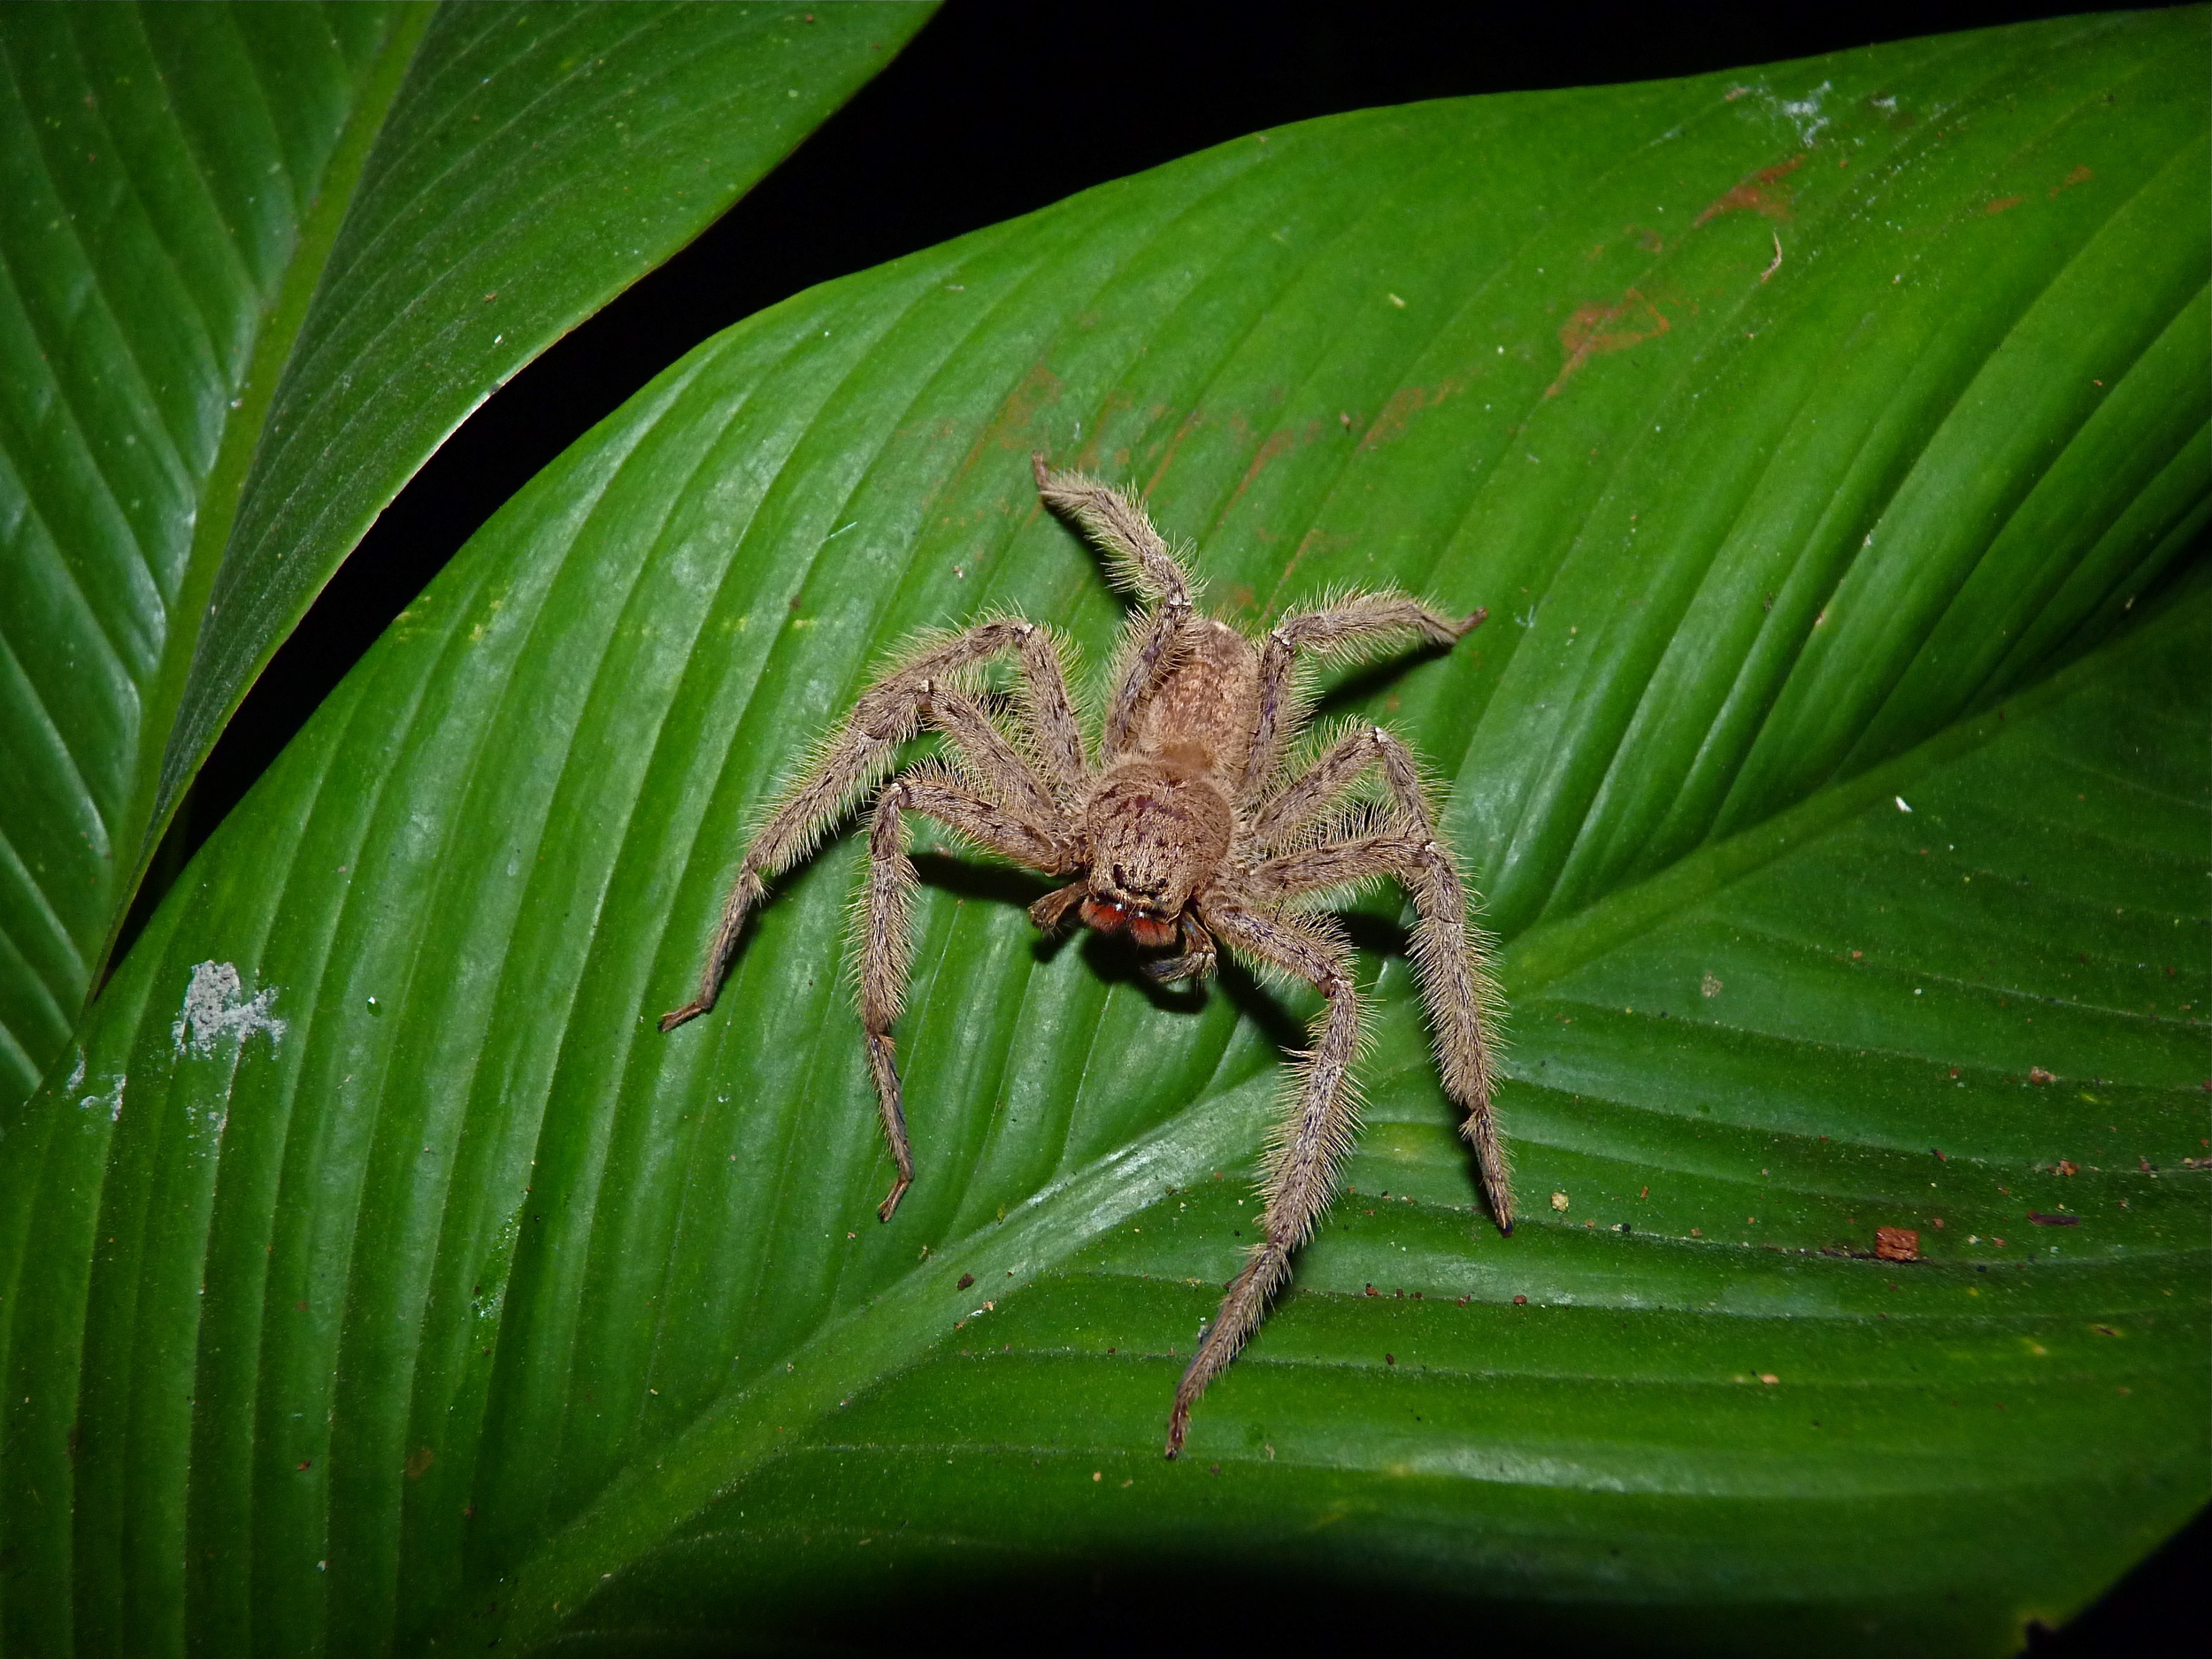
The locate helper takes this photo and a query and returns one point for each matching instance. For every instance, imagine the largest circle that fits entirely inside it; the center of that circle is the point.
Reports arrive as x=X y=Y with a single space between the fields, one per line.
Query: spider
x=1184 y=828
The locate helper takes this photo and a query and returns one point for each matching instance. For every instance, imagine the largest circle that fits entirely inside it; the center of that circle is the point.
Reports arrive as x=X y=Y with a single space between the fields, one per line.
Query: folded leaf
x=260 y=261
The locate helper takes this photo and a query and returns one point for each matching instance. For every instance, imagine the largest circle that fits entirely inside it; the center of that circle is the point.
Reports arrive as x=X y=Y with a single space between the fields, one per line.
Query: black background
x=946 y=139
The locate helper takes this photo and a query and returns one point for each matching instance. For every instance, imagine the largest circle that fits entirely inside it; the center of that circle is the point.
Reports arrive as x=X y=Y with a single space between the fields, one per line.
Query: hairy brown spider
x=1185 y=825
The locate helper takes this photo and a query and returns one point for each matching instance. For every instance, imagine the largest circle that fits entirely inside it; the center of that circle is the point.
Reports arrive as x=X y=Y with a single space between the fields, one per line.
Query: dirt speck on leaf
x=1896 y=1244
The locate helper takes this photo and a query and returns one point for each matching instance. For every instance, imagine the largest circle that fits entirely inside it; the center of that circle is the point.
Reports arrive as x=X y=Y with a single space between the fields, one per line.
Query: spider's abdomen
x=1201 y=716
x=1157 y=831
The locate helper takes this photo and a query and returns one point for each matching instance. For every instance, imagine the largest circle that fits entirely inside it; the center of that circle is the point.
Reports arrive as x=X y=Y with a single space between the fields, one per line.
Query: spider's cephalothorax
x=1181 y=826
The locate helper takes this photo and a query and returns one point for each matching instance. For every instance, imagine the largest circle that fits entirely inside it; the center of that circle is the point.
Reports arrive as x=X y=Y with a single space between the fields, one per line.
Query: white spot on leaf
x=110 y=1097
x=216 y=1006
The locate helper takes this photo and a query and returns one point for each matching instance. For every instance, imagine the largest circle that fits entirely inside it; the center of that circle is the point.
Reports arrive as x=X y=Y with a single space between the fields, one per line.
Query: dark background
x=997 y=108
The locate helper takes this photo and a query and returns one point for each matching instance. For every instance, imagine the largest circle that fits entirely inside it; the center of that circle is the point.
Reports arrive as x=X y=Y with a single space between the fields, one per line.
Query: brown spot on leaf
x=1896 y=1244
x=1762 y=192
x=419 y=1461
x=1595 y=329
x=1275 y=443
x=966 y=1279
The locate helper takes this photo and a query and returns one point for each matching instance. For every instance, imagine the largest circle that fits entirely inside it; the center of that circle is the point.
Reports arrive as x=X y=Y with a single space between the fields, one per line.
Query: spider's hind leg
x=1355 y=627
x=1138 y=561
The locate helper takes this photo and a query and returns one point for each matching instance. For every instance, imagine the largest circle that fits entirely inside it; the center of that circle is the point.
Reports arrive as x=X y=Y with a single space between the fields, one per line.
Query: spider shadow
x=972 y=879
x=1114 y=960
x=1374 y=678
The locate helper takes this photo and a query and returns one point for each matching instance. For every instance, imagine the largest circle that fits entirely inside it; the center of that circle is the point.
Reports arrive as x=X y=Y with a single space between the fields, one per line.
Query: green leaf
x=259 y=261
x=408 y=1285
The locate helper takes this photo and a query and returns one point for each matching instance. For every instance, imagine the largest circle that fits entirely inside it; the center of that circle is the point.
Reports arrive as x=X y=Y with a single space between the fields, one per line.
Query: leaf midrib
x=168 y=752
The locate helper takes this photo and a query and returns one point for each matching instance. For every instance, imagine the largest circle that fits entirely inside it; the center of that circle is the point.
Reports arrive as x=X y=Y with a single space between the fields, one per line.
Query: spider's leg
x=1047 y=715
x=1138 y=561
x=1002 y=772
x=1359 y=626
x=1315 y=1137
x=887 y=959
x=1277 y=816
x=1455 y=973
x=1196 y=961
x=856 y=756
x=1137 y=556
x=884 y=920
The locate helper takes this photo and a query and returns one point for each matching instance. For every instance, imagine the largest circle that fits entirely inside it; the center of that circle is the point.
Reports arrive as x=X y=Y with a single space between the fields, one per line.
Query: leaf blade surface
x=507 y=1292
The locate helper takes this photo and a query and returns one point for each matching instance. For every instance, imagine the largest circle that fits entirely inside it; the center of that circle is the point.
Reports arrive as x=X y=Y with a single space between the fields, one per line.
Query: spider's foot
x=1476 y=618
x=890 y=1205
x=1177 y=1425
x=676 y=1016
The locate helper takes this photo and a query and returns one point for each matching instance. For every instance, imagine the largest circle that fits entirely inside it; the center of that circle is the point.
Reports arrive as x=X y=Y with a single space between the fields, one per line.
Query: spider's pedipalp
x=1196 y=962
x=1050 y=913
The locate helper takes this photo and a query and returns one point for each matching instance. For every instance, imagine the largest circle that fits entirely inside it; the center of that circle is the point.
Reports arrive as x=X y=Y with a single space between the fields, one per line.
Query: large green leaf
x=256 y=263
x=1835 y=761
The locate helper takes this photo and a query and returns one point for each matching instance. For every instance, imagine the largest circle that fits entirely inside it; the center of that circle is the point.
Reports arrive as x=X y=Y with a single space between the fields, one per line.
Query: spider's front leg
x=884 y=920
x=921 y=690
x=1313 y=1141
x=1140 y=561
x=1358 y=626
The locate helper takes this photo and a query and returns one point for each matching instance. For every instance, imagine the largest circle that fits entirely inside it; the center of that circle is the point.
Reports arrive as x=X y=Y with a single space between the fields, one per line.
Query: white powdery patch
x=216 y=1007
x=1804 y=113
x=110 y=1098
